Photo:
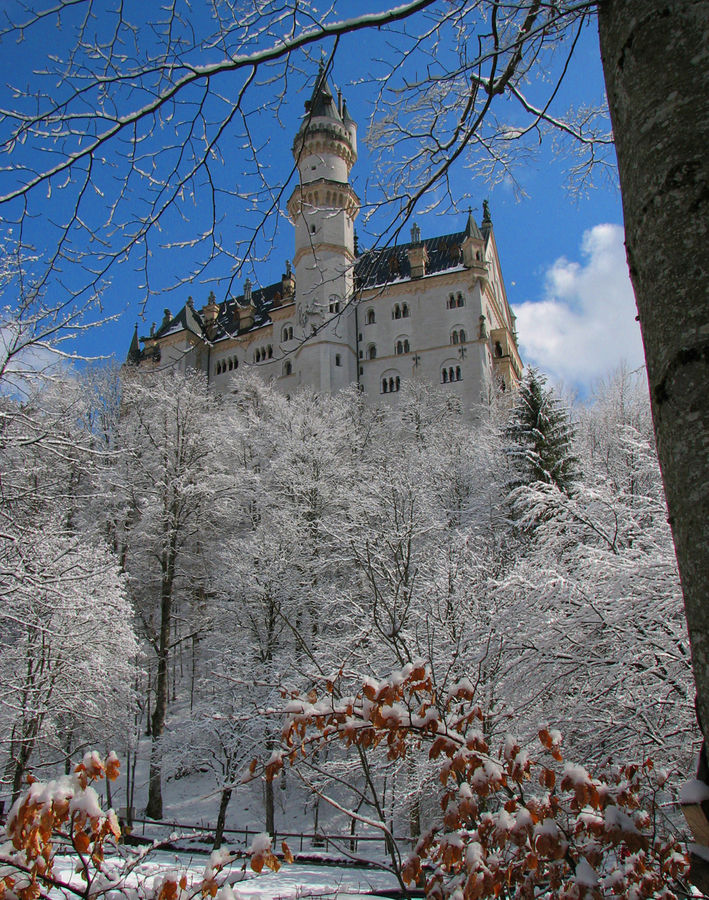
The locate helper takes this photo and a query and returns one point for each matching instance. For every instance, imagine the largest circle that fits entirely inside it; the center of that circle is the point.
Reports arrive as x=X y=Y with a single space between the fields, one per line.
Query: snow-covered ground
x=291 y=881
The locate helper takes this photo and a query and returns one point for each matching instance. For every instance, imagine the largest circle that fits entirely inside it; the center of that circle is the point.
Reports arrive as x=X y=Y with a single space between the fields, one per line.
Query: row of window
x=401 y=311
x=403 y=346
x=450 y=374
x=227 y=365
x=261 y=354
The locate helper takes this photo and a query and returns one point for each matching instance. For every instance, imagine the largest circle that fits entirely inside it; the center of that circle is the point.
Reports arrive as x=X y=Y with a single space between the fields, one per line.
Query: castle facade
x=433 y=309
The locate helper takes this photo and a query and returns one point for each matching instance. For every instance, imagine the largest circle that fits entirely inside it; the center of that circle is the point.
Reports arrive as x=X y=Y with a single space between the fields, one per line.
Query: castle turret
x=473 y=246
x=323 y=208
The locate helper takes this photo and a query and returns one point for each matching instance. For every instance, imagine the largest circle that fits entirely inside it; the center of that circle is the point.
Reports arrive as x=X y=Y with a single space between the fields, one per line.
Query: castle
x=433 y=309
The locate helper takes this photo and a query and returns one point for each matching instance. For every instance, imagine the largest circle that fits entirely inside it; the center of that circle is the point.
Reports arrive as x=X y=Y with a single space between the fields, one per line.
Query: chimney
x=418 y=257
x=287 y=283
x=210 y=313
x=247 y=311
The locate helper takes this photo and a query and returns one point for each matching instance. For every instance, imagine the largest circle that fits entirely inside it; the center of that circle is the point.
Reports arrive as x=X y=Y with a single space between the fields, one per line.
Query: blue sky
x=562 y=253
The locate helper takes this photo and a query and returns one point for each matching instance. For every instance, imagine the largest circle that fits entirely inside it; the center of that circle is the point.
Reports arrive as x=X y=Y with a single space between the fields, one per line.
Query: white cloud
x=584 y=325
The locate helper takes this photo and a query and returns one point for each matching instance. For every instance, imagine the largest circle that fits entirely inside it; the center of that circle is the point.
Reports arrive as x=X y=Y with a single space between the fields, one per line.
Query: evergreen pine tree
x=540 y=436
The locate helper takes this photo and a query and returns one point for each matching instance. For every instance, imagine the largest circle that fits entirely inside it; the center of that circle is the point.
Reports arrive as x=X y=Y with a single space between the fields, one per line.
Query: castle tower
x=323 y=208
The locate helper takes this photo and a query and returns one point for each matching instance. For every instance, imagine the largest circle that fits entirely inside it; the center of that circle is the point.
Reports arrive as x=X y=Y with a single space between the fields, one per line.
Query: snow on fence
x=300 y=842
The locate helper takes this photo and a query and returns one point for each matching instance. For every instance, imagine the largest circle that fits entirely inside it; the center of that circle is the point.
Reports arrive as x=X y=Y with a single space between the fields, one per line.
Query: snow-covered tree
x=68 y=647
x=540 y=436
x=594 y=601
x=170 y=489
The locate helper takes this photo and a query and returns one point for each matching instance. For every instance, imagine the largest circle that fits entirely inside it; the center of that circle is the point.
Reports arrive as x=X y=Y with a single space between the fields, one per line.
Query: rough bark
x=153 y=808
x=221 y=817
x=656 y=64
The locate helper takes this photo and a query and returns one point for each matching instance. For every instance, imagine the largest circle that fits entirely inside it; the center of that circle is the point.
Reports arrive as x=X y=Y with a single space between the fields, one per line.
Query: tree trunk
x=270 y=809
x=221 y=817
x=656 y=70
x=153 y=808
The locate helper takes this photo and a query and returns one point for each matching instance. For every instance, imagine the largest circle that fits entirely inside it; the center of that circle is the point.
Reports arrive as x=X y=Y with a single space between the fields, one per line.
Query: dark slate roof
x=373 y=268
x=379 y=267
x=322 y=102
x=133 y=357
x=190 y=319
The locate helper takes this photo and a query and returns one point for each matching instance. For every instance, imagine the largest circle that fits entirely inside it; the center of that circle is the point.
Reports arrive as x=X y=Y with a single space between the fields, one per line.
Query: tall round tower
x=323 y=208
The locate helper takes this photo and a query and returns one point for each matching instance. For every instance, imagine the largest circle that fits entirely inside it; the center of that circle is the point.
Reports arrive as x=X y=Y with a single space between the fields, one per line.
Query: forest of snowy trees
x=175 y=563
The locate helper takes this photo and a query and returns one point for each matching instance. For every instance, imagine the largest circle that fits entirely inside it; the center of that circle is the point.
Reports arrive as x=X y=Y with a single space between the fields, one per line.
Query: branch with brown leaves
x=509 y=825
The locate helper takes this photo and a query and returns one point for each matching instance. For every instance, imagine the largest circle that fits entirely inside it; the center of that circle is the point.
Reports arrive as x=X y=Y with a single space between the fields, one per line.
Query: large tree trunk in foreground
x=656 y=66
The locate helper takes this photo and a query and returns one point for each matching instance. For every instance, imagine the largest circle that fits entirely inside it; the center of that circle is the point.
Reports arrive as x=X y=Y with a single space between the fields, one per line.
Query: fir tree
x=540 y=436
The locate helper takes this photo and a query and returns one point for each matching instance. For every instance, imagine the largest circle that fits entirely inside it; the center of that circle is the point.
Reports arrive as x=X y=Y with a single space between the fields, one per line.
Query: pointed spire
x=487 y=221
x=346 y=117
x=133 y=358
x=471 y=227
x=322 y=102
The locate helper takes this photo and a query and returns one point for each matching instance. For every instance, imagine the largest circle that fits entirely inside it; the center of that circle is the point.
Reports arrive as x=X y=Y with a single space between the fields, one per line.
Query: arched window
x=450 y=303
x=405 y=311
x=460 y=301
x=399 y=348
x=462 y=336
x=454 y=337
x=287 y=333
x=391 y=384
x=451 y=374
x=257 y=356
x=287 y=367
x=397 y=382
x=370 y=317
x=334 y=305
x=270 y=351
x=397 y=311
x=458 y=376
x=406 y=345
x=498 y=348
x=371 y=352
x=444 y=376
x=231 y=365
x=385 y=386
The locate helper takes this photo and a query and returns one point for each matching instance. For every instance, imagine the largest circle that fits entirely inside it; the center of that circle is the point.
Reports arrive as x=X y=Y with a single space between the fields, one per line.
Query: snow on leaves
x=509 y=825
x=60 y=815
x=64 y=816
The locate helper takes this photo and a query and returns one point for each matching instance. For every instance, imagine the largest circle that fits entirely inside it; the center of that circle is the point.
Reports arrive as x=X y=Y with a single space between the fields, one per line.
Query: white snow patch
x=586 y=874
x=694 y=791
